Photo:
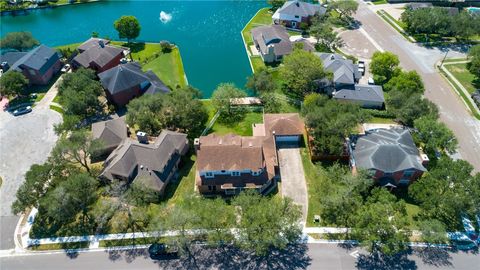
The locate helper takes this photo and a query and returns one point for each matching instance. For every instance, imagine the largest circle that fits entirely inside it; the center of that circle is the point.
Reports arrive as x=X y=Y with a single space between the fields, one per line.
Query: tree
x=300 y=70
x=346 y=8
x=76 y=149
x=446 y=191
x=13 y=83
x=270 y=103
x=276 y=4
x=434 y=136
x=141 y=195
x=329 y=123
x=381 y=224
x=180 y=110
x=34 y=187
x=266 y=223
x=474 y=65
x=464 y=25
x=261 y=81
x=326 y=37
x=408 y=82
x=19 y=41
x=433 y=232
x=384 y=66
x=73 y=196
x=128 y=27
x=408 y=108
x=79 y=92
x=222 y=101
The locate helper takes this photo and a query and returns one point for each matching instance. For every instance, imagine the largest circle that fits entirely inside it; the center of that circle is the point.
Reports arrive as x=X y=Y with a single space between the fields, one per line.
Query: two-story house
x=295 y=14
x=389 y=155
x=227 y=164
x=98 y=55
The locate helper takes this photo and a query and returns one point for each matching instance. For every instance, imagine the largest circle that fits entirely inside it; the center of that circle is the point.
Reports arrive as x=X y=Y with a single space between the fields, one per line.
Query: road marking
x=355 y=254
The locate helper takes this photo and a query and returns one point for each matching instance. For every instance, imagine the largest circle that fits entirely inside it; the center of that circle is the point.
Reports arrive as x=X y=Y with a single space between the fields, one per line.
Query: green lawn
x=72 y=46
x=380 y=120
x=257 y=63
x=176 y=191
x=412 y=211
x=60 y=246
x=243 y=128
x=379 y=2
x=57 y=109
x=262 y=17
x=464 y=76
x=129 y=242
x=169 y=68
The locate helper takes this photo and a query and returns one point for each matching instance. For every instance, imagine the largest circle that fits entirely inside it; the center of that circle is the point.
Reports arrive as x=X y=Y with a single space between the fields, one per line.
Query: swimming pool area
x=207 y=32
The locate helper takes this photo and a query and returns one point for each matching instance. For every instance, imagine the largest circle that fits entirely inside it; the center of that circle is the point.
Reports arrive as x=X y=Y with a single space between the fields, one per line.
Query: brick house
x=38 y=65
x=294 y=14
x=98 y=55
x=227 y=164
x=389 y=155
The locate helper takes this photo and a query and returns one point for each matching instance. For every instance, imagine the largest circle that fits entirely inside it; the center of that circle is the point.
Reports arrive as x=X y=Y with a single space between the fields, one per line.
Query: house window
x=32 y=72
x=296 y=16
x=408 y=173
x=256 y=173
x=209 y=174
x=212 y=188
x=235 y=173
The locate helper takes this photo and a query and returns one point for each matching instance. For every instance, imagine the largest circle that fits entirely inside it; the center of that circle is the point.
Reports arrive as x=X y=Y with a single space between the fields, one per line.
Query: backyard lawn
x=263 y=17
x=466 y=78
x=243 y=128
x=169 y=68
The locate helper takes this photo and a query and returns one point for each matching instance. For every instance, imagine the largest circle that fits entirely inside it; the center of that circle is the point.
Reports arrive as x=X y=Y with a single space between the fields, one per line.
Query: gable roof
x=41 y=59
x=361 y=93
x=272 y=35
x=387 y=150
x=111 y=132
x=11 y=57
x=98 y=54
x=138 y=160
x=344 y=70
x=92 y=42
x=298 y=8
x=125 y=76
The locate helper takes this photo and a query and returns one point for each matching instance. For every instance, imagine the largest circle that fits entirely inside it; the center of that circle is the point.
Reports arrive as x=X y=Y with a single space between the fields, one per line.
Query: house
x=38 y=65
x=9 y=58
x=273 y=42
x=150 y=164
x=127 y=81
x=389 y=155
x=345 y=72
x=367 y=96
x=296 y=14
x=98 y=55
x=111 y=133
x=227 y=164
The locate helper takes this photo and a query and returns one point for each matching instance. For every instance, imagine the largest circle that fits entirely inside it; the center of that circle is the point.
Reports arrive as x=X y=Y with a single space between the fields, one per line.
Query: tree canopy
x=408 y=82
x=13 y=83
x=407 y=107
x=180 y=110
x=474 y=65
x=276 y=4
x=300 y=70
x=326 y=37
x=384 y=66
x=434 y=136
x=19 y=41
x=346 y=8
x=128 y=27
x=261 y=81
x=222 y=102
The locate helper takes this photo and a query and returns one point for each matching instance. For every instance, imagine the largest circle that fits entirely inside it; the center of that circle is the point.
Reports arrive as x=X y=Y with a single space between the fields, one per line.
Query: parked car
x=361 y=70
x=22 y=110
x=361 y=64
x=65 y=68
x=162 y=251
x=371 y=81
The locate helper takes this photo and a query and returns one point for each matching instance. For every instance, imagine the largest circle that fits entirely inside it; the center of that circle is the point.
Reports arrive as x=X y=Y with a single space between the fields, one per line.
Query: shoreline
x=24 y=11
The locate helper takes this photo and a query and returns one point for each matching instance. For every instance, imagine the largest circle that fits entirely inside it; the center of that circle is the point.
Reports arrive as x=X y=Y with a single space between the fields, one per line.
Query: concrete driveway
x=24 y=140
x=293 y=177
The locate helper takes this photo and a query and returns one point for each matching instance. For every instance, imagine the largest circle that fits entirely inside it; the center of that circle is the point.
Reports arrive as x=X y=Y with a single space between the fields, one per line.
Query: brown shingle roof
x=283 y=124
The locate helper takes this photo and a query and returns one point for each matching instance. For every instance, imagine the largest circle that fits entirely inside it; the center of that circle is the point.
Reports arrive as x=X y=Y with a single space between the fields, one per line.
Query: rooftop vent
x=332 y=57
x=101 y=43
x=142 y=137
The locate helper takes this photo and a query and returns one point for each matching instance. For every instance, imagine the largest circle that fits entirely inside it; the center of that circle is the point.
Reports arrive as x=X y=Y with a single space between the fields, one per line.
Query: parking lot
x=24 y=140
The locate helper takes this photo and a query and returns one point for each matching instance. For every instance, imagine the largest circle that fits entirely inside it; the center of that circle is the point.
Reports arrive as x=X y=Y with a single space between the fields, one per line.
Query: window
x=408 y=173
x=212 y=188
x=296 y=16
x=209 y=174
x=235 y=173
x=255 y=173
x=32 y=72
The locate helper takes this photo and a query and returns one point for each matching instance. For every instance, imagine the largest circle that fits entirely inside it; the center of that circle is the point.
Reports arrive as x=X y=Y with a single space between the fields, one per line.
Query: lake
x=207 y=32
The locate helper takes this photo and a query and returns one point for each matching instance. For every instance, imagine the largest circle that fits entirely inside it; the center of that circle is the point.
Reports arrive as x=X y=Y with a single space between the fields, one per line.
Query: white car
x=65 y=68
x=371 y=81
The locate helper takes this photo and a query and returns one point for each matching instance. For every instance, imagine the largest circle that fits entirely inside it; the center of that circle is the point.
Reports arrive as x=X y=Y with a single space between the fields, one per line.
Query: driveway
x=293 y=177
x=24 y=140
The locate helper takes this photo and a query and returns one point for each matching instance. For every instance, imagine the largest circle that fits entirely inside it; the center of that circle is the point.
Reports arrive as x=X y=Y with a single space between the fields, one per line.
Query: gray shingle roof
x=11 y=57
x=361 y=93
x=97 y=54
x=126 y=76
x=387 y=150
x=300 y=8
x=275 y=35
x=41 y=59
x=344 y=70
x=111 y=132
x=92 y=42
x=135 y=160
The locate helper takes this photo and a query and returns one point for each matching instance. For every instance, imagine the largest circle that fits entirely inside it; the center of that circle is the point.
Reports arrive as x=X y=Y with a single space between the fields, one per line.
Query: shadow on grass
x=227 y=257
x=185 y=168
x=135 y=47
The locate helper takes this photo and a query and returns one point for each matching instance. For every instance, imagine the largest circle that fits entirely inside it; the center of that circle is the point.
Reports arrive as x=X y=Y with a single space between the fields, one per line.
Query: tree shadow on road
x=379 y=261
x=129 y=255
x=434 y=256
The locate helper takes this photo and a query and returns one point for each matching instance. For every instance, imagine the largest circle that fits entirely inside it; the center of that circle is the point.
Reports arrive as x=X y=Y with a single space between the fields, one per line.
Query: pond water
x=207 y=32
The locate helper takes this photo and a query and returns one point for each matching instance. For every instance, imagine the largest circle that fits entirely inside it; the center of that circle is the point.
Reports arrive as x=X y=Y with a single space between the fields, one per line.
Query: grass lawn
x=257 y=63
x=464 y=76
x=60 y=246
x=176 y=191
x=243 y=128
x=380 y=120
x=72 y=46
x=412 y=211
x=379 y=2
x=57 y=109
x=169 y=68
x=129 y=242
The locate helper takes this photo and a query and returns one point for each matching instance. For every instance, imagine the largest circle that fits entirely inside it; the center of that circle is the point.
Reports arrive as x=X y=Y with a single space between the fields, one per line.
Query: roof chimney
x=196 y=144
x=142 y=137
x=101 y=43
x=297 y=4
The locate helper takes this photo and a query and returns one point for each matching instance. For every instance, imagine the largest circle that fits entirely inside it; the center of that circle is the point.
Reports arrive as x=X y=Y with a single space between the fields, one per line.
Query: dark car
x=162 y=251
x=22 y=110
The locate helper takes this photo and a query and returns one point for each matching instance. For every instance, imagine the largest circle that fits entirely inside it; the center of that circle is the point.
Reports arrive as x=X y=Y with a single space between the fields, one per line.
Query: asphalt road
x=422 y=59
x=311 y=256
